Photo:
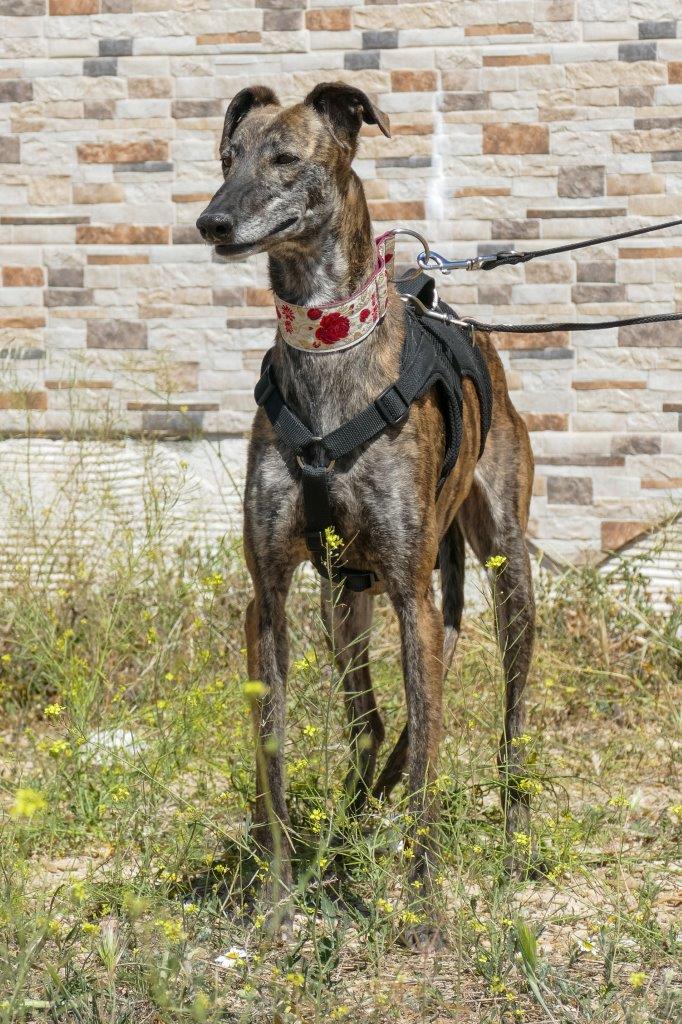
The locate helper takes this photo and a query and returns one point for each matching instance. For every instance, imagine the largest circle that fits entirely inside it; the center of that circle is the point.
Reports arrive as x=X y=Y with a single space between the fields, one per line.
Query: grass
x=126 y=786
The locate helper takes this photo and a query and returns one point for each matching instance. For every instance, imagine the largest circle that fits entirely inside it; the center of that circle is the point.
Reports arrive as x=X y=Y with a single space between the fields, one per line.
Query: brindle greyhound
x=289 y=190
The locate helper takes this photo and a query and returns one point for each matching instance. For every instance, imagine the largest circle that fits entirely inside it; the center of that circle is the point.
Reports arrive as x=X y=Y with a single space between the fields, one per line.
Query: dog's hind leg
x=493 y=527
x=348 y=620
x=451 y=558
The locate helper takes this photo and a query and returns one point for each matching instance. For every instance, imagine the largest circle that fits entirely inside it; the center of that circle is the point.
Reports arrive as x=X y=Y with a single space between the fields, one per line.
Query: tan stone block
x=599 y=384
x=49 y=191
x=23 y=277
x=27 y=400
x=615 y=534
x=674 y=252
x=20 y=319
x=150 y=88
x=122 y=152
x=546 y=420
x=396 y=211
x=675 y=72
x=633 y=184
x=665 y=483
x=508 y=60
x=122 y=234
x=192 y=197
x=218 y=38
x=515 y=138
x=105 y=259
x=414 y=81
x=328 y=19
x=403 y=16
x=510 y=28
x=107 y=192
x=65 y=7
x=559 y=339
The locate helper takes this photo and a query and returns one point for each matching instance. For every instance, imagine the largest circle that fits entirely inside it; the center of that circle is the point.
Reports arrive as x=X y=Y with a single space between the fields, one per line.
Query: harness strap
x=387 y=410
x=319 y=516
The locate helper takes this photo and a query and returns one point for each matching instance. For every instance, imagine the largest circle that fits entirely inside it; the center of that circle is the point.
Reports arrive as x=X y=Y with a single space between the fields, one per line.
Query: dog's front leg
x=268 y=658
x=421 y=629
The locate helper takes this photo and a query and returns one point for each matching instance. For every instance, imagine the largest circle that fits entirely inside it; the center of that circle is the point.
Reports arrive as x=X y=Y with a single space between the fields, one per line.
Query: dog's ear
x=345 y=108
x=243 y=102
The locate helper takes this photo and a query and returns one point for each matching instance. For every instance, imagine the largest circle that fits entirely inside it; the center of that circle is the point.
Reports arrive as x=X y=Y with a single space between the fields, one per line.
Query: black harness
x=434 y=356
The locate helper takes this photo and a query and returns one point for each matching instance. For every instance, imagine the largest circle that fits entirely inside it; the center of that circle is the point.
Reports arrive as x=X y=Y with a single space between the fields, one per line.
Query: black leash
x=505 y=259
x=430 y=260
x=597 y=325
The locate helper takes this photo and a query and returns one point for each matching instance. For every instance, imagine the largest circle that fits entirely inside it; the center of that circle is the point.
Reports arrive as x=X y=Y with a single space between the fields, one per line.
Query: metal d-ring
x=410 y=275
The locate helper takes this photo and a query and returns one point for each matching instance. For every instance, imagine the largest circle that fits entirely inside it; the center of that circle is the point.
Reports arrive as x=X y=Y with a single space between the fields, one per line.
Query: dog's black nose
x=215 y=227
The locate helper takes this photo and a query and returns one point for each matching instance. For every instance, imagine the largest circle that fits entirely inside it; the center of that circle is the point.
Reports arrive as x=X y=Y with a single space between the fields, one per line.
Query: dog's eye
x=286 y=158
x=226 y=162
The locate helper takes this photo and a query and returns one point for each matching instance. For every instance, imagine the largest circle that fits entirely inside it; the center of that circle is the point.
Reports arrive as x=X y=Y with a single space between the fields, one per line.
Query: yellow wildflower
x=637 y=980
x=53 y=710
x=496 y=561
x=254 y=690
x=332 y=539
x=27 y=802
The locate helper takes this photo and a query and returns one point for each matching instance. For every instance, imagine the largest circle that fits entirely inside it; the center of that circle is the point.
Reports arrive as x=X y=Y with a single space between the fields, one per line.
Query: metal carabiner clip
x=410 y=275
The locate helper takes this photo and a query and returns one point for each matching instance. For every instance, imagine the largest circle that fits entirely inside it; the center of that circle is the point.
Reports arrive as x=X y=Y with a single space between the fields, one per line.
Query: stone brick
x=569 y=490
x=633 y=52
x=600 y=270
x=99 y=110
x=122 y=152
x=108 y=259
x=609 y=383
x=68 y=297
x=396 y=211
x=282 y=21
x=361 y=60
x=108 y=192
x=9 y=149
x=515 y=60
x=675 y=72
x=122 y=234
x=665 y=483
x=664 y=335
x=218 y=38
x=636 y=96
x=615 y=534
x=528 y=341
x=328 y=19
x=464 y=101
x=197 y=108
x=149 y=88
x=509 y=28
x=74 y=7
x=546 y=421
x=414 y=81
x=494 y=294
x=387 y=40
x=515 y=138
x=636 y=444
x=186 y=234
x=119 y=334
x=15 y=90
x=23 y=8
x=90 y=384
x=22 y=277
x=634 y=184
x=586 y=293
x=581 y=182
x=65 y=277
x=100 y=67
x=115 y=47
x=657 y=29
x=27 y=400
x=516 y=229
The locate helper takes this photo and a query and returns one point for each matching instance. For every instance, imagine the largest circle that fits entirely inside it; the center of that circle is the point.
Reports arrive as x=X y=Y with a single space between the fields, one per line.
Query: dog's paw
x=422 y=938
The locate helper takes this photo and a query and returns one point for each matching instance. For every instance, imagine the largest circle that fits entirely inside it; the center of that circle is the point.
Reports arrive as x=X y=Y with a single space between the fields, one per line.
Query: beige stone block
x=50 y=191
x=389 y=16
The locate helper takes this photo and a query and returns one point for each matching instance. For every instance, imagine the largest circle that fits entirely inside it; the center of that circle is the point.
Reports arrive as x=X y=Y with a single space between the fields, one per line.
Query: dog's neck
x=333 y=264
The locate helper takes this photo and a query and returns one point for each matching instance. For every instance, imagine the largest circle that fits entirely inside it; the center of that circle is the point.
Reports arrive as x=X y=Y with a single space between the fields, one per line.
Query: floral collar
x=340 y=324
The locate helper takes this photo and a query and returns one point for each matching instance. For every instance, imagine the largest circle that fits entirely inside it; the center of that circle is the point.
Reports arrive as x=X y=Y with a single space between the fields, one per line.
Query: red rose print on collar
x=333 y=327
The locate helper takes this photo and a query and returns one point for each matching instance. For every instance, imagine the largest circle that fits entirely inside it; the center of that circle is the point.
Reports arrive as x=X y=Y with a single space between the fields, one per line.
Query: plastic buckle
x=387 y=413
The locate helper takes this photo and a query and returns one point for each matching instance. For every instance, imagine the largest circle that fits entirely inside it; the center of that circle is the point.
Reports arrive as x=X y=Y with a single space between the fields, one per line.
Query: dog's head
x=284 y=167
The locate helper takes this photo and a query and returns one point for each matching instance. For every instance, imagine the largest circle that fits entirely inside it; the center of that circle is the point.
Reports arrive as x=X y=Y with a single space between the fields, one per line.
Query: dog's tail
x=451 y=562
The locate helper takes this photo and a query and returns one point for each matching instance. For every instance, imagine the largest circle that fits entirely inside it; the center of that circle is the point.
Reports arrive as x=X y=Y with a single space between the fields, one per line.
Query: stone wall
x=513 y=122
